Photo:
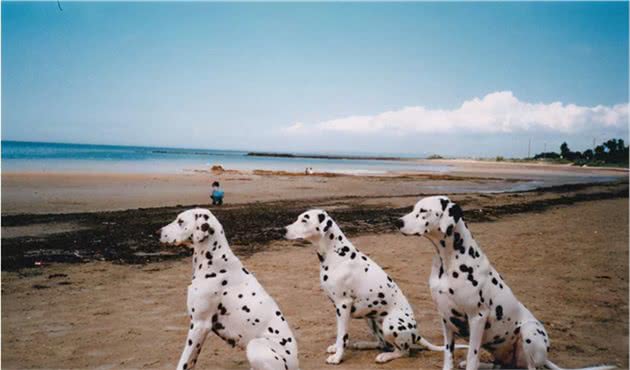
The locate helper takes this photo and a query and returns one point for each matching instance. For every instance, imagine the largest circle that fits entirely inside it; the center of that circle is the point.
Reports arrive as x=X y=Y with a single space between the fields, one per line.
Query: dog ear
x=451 y=214
x=202 y=229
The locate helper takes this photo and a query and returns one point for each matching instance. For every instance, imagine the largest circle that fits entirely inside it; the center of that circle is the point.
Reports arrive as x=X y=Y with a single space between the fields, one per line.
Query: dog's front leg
x=343 y=317
x=196 y=336
x=449 y=343
x=476 y=325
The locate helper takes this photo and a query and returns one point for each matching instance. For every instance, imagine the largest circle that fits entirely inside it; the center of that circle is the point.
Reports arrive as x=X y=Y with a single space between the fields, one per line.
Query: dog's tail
x=432 y=347
x=553 y=366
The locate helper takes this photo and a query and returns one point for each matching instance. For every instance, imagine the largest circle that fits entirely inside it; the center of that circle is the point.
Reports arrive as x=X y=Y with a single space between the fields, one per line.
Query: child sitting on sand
x=217 y=194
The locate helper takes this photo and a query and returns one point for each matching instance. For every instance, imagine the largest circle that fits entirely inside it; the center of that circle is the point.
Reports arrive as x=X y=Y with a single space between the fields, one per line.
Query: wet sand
x=128 y=236
x=84 y=192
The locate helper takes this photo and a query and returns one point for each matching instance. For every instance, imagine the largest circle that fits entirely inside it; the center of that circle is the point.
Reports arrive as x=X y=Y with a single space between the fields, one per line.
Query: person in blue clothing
x=217 y=194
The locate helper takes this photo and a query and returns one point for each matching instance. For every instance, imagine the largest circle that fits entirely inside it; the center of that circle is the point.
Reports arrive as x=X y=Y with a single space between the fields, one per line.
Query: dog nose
x=399 y=223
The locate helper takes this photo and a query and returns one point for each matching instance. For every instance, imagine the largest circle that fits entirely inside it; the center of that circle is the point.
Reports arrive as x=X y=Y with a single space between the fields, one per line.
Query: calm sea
x=36 y=157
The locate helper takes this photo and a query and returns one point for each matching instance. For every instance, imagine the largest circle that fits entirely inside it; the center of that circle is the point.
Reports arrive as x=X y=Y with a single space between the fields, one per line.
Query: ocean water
x=54 y=157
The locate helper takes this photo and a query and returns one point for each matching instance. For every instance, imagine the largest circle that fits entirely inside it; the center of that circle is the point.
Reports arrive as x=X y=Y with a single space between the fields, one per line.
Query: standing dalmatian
x=227 y=299
x=472 y=298
x=358 y=288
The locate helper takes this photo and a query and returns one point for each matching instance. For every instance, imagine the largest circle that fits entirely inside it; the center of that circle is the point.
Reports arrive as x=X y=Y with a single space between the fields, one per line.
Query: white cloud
x=498 y=112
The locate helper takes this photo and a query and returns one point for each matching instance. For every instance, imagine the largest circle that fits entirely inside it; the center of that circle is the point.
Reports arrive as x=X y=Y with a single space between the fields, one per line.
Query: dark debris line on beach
x=129 y=236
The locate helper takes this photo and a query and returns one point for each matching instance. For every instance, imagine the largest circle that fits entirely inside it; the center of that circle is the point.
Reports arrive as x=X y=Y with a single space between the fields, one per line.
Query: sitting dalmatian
x=227 y=299
x=472 y=298
x=359 y=289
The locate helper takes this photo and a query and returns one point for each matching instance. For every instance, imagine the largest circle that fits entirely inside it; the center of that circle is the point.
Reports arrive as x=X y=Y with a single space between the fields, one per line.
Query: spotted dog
x=472 y=298
x=225 y=298
x=358 y=288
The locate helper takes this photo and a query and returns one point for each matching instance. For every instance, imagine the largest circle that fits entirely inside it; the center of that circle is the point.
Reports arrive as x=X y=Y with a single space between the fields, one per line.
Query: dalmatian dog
x=225 y=298
x=359 y=289
x=472 y=298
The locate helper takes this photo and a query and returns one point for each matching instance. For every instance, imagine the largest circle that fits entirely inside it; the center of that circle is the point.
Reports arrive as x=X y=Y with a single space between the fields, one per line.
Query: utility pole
x=545 y=150
x=529 y=148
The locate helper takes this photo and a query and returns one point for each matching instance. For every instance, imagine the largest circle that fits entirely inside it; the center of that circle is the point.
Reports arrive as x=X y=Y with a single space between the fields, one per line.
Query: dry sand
x=569 y=265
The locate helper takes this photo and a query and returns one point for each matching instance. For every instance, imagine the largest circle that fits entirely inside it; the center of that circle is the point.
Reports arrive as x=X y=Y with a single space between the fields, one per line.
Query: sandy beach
x=117 y=116
x=55 y=192
x=120 y=303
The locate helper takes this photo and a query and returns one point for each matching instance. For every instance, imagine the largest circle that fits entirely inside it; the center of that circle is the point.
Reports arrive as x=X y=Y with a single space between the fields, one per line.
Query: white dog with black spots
x=359 y=289
x=225 y=298
x=471 y=296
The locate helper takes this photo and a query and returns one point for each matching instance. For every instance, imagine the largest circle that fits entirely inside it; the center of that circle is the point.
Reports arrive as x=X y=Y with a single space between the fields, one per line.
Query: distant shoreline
x=322 y=156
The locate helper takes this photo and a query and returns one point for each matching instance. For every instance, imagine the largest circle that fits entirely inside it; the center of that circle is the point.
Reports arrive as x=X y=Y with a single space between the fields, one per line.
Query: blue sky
x=451 y=78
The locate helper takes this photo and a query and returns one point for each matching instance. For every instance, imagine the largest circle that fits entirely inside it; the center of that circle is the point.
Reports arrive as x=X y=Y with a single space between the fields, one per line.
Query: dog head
x=310 y=225
x=429 y=215
x=190 y=227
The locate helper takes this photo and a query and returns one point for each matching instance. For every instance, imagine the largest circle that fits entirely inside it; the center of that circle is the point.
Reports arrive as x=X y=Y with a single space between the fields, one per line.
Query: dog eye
x=304 y=221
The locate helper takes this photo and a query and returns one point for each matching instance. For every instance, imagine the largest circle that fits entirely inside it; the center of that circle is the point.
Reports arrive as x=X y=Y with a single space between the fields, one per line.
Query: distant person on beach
x=217 y=194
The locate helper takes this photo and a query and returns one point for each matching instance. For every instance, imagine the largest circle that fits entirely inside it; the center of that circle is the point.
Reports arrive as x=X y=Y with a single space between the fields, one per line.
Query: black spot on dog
x=461 y=325
x=245 y=271
x=449 y=230
x=321 y=217
x=245 y=308
x=499 y=312
x=455 y=274
x=205 y=227
x=456 y=212
x=458 y=243
x=444 y=203
x=321 y=258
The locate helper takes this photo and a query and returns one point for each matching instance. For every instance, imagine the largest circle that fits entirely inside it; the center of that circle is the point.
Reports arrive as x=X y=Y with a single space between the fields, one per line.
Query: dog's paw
x=462 y=365
x=386 y=357
x=333 y=359
x=331 y=349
